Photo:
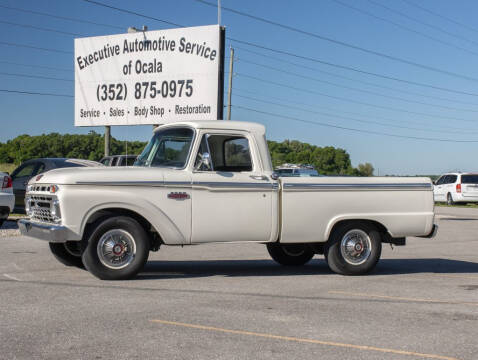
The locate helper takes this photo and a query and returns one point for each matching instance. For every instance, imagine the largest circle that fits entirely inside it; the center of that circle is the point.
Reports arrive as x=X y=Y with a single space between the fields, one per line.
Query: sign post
x=148 y=78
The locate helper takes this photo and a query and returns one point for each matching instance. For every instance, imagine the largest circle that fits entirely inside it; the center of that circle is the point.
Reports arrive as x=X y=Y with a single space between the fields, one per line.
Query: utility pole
x=229 y=92
x=107 y=140
x=219 y=12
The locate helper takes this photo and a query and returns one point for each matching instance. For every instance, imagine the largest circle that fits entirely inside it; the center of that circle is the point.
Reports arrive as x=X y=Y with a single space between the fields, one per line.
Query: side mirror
x=204 y=162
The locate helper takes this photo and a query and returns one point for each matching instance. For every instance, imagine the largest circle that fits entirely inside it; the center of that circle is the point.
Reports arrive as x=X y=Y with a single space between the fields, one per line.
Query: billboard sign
x=152 y=77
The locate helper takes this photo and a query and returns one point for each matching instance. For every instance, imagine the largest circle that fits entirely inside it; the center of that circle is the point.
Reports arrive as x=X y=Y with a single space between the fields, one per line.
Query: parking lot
x=233 y=302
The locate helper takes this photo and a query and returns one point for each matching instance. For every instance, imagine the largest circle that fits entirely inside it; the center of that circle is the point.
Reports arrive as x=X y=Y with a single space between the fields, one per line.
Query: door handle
x=259 y=177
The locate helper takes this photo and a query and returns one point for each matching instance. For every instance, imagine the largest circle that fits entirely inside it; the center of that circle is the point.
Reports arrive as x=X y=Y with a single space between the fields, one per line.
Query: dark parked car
x=22 y=174
x=119 y=160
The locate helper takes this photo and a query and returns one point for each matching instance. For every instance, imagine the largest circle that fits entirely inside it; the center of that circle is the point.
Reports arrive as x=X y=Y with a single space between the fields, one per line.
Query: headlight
x=54 y=189
x=55 y=211
x=29 y=188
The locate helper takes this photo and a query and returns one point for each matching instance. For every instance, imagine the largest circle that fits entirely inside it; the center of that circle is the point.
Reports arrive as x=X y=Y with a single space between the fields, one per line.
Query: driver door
x=232 y=201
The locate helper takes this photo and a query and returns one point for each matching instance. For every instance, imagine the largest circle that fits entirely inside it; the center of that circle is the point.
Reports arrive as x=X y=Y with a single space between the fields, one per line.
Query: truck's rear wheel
x=117 y=249
x=290 y=254
x=353 y=249
x=68 y=253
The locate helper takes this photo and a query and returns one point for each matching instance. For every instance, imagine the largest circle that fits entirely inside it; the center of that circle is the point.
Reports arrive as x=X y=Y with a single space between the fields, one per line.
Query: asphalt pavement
x=230 y=301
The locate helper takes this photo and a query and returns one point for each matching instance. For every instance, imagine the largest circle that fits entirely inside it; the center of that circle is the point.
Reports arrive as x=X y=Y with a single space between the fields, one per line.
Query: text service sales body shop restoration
x=149 y=77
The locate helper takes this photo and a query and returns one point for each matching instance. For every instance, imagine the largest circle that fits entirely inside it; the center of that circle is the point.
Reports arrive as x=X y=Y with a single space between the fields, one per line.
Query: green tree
x=366 y=169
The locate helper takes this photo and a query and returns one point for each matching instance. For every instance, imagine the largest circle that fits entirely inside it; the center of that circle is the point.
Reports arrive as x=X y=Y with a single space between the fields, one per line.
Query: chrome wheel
x=355 y=247
x=116 y=249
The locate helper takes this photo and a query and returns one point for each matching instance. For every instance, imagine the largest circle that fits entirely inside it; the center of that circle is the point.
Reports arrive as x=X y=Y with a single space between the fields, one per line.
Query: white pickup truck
x=212 y=181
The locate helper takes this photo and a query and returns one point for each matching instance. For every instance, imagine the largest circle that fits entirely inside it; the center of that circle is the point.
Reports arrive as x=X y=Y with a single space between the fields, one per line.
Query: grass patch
x=5 y=167
x=468 y=205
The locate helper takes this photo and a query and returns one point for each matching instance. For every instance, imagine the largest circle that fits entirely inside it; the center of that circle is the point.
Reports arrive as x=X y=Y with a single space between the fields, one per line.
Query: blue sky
x=426 y=113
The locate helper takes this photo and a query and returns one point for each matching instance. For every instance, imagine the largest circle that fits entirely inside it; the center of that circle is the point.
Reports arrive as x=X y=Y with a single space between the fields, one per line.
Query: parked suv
x=456 y=188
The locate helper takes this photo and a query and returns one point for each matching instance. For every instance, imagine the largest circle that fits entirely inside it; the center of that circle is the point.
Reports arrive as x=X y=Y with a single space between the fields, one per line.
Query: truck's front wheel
x=117 y=249
x=290 y=254
x=353 y=249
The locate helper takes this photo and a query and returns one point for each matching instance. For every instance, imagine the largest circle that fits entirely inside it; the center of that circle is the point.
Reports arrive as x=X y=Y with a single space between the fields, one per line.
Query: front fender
x=145 y=203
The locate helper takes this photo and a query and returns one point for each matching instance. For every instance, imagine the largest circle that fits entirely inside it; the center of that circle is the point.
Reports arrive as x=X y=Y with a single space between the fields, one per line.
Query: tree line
x=327 y=160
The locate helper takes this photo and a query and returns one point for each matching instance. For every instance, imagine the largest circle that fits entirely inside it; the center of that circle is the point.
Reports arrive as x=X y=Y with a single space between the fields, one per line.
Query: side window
x=230 y=153
x=24 y=171
x=129 y=161
x=237 y=156
x=451 y=179
x=441 y=180
x=114 y=161
x=40 y=168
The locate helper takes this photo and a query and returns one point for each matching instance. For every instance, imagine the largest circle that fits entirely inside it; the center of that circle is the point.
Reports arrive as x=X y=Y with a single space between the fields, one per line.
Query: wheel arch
x=98 y=215
x=339 y=222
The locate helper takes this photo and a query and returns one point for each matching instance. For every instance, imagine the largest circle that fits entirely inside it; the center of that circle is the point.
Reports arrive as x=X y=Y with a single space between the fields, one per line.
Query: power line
x=440 y=16
x=403 y=27
x=131 y=12
x=35 y=76
x=357 y=70
x=341 y=43
x=39 y=28
x=423 y=23
x=369 y=132
x=355 y=89
x=349 y=118
x=34 y=66
x=34 y=93
x=314 y=106
x=61 y=17
x=35 y=47
x=350 y=100
x=302 y=66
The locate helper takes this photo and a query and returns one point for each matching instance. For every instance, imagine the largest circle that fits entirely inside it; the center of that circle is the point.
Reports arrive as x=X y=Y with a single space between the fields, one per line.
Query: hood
x=118 y=174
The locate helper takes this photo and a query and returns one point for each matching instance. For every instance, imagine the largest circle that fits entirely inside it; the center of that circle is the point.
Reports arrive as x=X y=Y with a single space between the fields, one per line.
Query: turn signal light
x=7 y=182
x=458 y=188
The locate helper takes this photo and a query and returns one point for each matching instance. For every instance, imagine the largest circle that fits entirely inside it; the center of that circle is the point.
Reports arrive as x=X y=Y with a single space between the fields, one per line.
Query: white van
x=456 y=188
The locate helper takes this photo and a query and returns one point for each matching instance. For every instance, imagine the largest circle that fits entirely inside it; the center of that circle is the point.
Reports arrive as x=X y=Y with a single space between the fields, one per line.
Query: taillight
x=7 y=182
x=458 y=188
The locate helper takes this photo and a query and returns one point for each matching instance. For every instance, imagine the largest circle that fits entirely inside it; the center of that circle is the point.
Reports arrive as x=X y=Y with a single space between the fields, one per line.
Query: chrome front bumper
x=47 y=232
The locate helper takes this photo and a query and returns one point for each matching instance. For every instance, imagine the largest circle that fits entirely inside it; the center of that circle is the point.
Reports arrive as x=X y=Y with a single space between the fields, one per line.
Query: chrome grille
x=40 y=208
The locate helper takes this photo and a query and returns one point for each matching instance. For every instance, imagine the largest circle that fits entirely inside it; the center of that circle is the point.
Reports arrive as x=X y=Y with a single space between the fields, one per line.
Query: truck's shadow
x=240 y=268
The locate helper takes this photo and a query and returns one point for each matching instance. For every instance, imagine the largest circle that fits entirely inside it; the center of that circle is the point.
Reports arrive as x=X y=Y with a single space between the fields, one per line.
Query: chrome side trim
x=325 y=187
x=122 y=183
x=233 y=185
x=197 y=184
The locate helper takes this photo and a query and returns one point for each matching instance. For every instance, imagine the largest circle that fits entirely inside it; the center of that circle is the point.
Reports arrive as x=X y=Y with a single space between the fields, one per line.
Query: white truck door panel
x=177 y=194
x=228 y=206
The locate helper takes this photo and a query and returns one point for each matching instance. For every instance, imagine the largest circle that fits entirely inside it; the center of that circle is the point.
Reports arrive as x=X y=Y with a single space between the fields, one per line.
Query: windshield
x=167 y=148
